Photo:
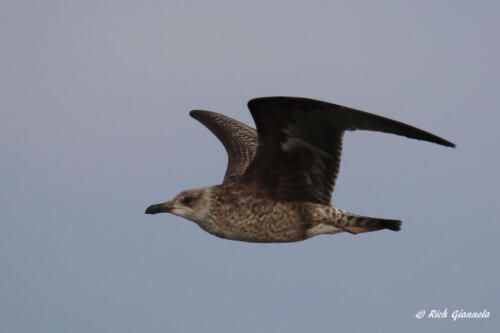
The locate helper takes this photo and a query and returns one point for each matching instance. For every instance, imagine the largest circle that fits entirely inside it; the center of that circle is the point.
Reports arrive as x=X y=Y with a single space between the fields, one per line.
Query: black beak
x=159 y=208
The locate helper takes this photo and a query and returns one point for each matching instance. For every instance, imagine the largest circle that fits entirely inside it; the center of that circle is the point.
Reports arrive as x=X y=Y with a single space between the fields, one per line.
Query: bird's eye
x=186 y=200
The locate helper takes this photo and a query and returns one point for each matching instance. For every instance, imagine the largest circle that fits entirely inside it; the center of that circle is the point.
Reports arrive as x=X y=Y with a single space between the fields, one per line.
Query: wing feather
x=239 y=140
x=300 y=144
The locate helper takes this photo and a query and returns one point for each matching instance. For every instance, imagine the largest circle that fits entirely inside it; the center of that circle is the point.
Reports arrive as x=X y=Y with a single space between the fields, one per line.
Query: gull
x=280 y=178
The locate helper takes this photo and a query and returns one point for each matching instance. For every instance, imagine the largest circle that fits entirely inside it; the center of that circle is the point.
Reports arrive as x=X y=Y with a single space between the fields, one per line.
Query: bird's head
x=190 y=204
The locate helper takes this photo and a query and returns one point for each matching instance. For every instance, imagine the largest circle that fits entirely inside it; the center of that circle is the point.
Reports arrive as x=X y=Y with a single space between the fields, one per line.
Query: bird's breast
x=255 y=219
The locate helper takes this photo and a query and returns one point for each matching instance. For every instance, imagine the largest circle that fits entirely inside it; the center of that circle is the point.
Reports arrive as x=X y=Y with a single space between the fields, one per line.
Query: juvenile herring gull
x=280 y=177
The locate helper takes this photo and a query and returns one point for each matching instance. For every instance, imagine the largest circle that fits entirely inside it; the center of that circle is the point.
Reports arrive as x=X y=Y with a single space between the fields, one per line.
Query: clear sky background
x=94 y=127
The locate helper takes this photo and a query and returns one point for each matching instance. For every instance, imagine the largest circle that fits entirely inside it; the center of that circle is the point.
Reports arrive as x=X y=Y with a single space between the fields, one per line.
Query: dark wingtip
x=200 y=115
x=444 y=142
x=196 y=113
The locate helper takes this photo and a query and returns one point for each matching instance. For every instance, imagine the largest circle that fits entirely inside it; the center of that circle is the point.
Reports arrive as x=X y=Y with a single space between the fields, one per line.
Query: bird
x=280 y=176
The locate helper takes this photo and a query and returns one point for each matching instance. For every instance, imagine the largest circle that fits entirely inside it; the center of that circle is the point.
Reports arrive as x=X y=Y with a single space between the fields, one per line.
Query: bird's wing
x=239 y=140
x=300 y=144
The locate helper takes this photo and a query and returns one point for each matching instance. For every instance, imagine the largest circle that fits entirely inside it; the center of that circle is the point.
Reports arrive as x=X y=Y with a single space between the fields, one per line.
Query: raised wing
x=300 y=144
x=239 y=140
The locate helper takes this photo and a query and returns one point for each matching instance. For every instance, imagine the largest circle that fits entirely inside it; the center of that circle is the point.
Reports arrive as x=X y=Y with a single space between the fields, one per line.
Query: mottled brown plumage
x=280 y=178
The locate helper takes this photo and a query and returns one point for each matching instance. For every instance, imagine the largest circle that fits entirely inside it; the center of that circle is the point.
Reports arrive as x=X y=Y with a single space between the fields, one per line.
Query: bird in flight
x=280 y=178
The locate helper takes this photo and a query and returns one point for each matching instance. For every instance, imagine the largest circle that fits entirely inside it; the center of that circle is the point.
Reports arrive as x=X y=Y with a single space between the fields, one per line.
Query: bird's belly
x=261 y=222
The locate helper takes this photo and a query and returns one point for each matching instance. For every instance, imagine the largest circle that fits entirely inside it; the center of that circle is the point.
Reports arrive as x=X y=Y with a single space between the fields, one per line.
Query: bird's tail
x=356 y=224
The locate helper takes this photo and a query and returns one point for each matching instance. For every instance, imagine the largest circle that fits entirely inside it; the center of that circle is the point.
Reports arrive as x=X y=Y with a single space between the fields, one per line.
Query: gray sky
x=94 y=127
